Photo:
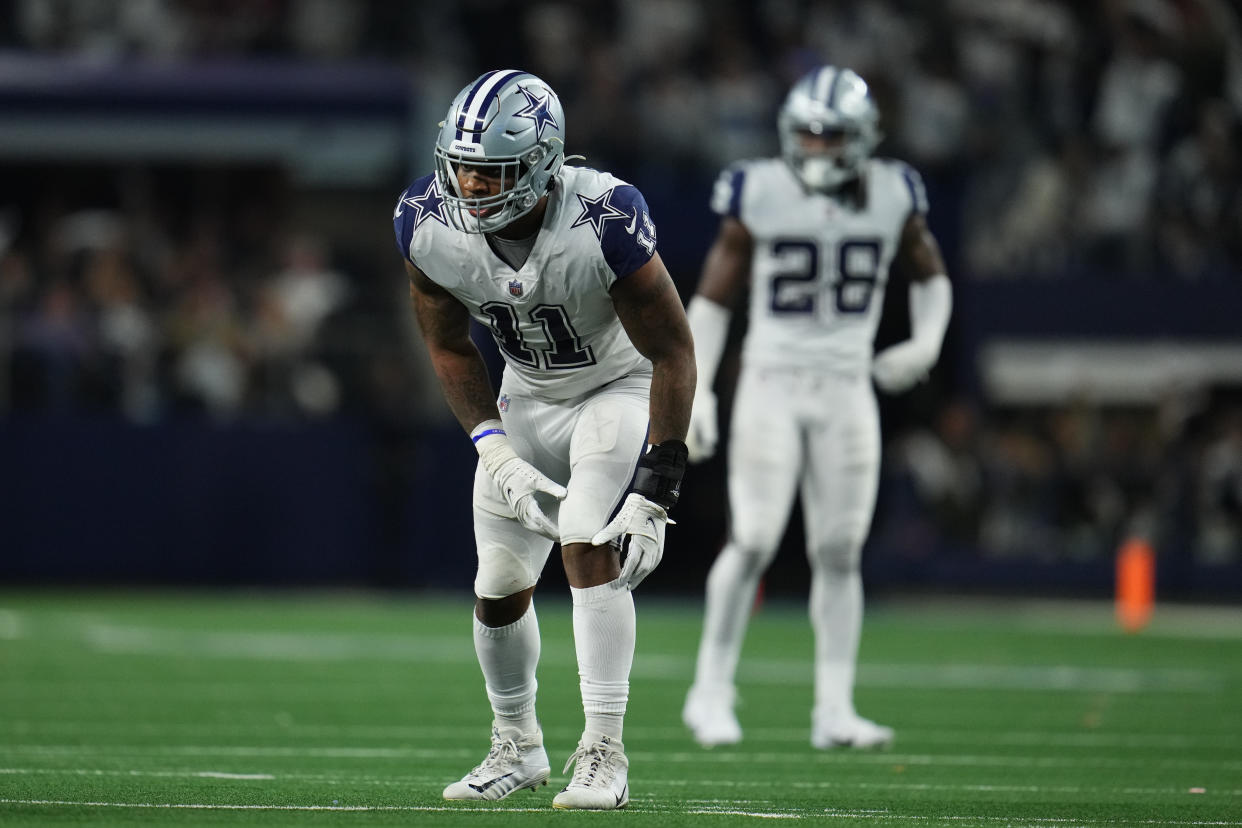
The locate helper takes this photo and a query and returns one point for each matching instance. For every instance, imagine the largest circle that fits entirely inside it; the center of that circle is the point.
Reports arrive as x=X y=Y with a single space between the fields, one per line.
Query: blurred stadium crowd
x=1060 y=141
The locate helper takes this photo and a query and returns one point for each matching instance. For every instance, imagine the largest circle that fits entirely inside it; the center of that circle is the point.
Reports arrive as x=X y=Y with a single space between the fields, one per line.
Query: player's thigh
x=609 y=435
x=539 y=432
x=510 y=556
x=765 y=459
x=842 y=476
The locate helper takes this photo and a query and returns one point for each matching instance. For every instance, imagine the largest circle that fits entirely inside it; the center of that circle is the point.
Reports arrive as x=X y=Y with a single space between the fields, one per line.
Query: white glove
x=703 y=434
x=901 y=366
x=518 y=480
x=640 y=524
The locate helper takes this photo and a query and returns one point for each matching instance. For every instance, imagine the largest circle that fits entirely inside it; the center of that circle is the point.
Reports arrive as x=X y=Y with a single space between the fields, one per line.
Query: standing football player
x=560 y=264
x=813 y=234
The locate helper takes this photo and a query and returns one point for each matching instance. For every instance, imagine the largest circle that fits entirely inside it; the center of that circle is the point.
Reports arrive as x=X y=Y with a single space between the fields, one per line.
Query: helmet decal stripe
x=832 y=91
x=824 y=83
x=480 y=98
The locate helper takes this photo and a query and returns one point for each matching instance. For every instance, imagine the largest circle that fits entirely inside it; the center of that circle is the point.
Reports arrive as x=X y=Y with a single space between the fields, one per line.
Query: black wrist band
x=659 y=473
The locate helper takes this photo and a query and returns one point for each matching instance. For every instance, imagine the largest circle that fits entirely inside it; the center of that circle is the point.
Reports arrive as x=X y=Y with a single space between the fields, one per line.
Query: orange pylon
x=1136 y=584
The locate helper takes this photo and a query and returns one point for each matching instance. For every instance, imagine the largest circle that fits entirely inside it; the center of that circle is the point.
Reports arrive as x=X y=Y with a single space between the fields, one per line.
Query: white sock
x=836 y=610
x=731 y=586
x=508 y=656
x=604 y=630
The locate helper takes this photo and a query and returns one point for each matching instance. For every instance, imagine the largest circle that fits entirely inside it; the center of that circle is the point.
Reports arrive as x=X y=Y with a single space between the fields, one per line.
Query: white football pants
x=590 y=445
x=817 y=433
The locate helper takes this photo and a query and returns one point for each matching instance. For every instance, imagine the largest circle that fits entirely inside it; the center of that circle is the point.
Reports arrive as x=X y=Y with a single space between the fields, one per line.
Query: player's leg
x=609 y=434
x=764 y=459
x=843 y=461
x=506 y=635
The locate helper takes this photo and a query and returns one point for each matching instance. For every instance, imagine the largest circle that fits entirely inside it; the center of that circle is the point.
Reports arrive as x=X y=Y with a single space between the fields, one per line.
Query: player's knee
x=501 y=612
x=841 y=553
x=750 y=561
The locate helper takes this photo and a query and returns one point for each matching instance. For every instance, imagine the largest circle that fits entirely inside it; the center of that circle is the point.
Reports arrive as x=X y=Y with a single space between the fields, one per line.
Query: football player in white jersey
x=585 y=444
x=813 y=234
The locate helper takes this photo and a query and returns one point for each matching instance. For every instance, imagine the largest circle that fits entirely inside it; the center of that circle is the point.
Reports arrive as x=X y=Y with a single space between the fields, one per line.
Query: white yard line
x=642 y=782
x=205 y=806
x=468 y=733
x=698 y=757
x=783 y=813
x=141 y=640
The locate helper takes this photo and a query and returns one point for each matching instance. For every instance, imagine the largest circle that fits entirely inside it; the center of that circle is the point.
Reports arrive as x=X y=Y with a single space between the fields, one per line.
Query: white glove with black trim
x=518 y=480
x=640 y=524
x=643 y=517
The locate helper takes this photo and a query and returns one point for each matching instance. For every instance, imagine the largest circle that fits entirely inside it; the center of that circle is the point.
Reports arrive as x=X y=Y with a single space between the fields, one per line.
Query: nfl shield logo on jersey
x=503 y=403
x=515 y=288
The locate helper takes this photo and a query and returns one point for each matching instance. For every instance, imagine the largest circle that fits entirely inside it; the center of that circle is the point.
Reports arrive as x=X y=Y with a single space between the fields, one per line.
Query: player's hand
x=518 y=480
x=900 y=367
x=703 y=434
x=640 y=525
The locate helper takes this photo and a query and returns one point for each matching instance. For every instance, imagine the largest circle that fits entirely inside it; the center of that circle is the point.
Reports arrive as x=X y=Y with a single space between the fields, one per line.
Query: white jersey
x=553 y=318
x=820 y=264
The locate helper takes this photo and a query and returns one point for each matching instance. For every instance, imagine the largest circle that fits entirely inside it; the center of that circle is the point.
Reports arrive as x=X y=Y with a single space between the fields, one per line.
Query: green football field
x=356 y=709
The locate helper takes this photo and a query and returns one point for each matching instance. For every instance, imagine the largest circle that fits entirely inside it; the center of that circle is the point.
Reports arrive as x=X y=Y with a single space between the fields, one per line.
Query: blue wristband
x=477 y=437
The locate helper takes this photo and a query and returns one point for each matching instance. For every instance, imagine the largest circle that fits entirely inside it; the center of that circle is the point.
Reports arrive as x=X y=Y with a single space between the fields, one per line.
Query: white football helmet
x=510 y=124
x=829 y=101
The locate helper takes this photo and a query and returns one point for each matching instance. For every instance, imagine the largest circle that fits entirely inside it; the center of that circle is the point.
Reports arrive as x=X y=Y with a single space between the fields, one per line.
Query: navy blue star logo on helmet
x=537 y=110
x=428 y=205
x=596 y=211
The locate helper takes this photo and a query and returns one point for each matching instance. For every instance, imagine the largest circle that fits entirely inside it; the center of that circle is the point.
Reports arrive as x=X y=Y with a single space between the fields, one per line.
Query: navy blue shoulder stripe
x=627 y=243
x=736 y=180
x=403 y=215
x=914 y=183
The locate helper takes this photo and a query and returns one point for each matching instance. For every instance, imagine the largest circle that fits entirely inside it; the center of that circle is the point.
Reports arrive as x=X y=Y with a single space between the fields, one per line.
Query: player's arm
x=445 y=325
x=726 y=271
x=931 y=304
x=919 y=250
x=650 y=310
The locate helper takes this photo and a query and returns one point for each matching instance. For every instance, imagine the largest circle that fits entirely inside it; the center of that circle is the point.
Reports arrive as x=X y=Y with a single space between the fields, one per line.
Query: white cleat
x=511 y=765
x=710 y=717
x=849 y=730
x=601 y=777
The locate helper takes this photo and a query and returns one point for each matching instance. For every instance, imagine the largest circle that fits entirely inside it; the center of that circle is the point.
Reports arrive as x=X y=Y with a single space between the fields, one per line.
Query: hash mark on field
x=759 y=814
